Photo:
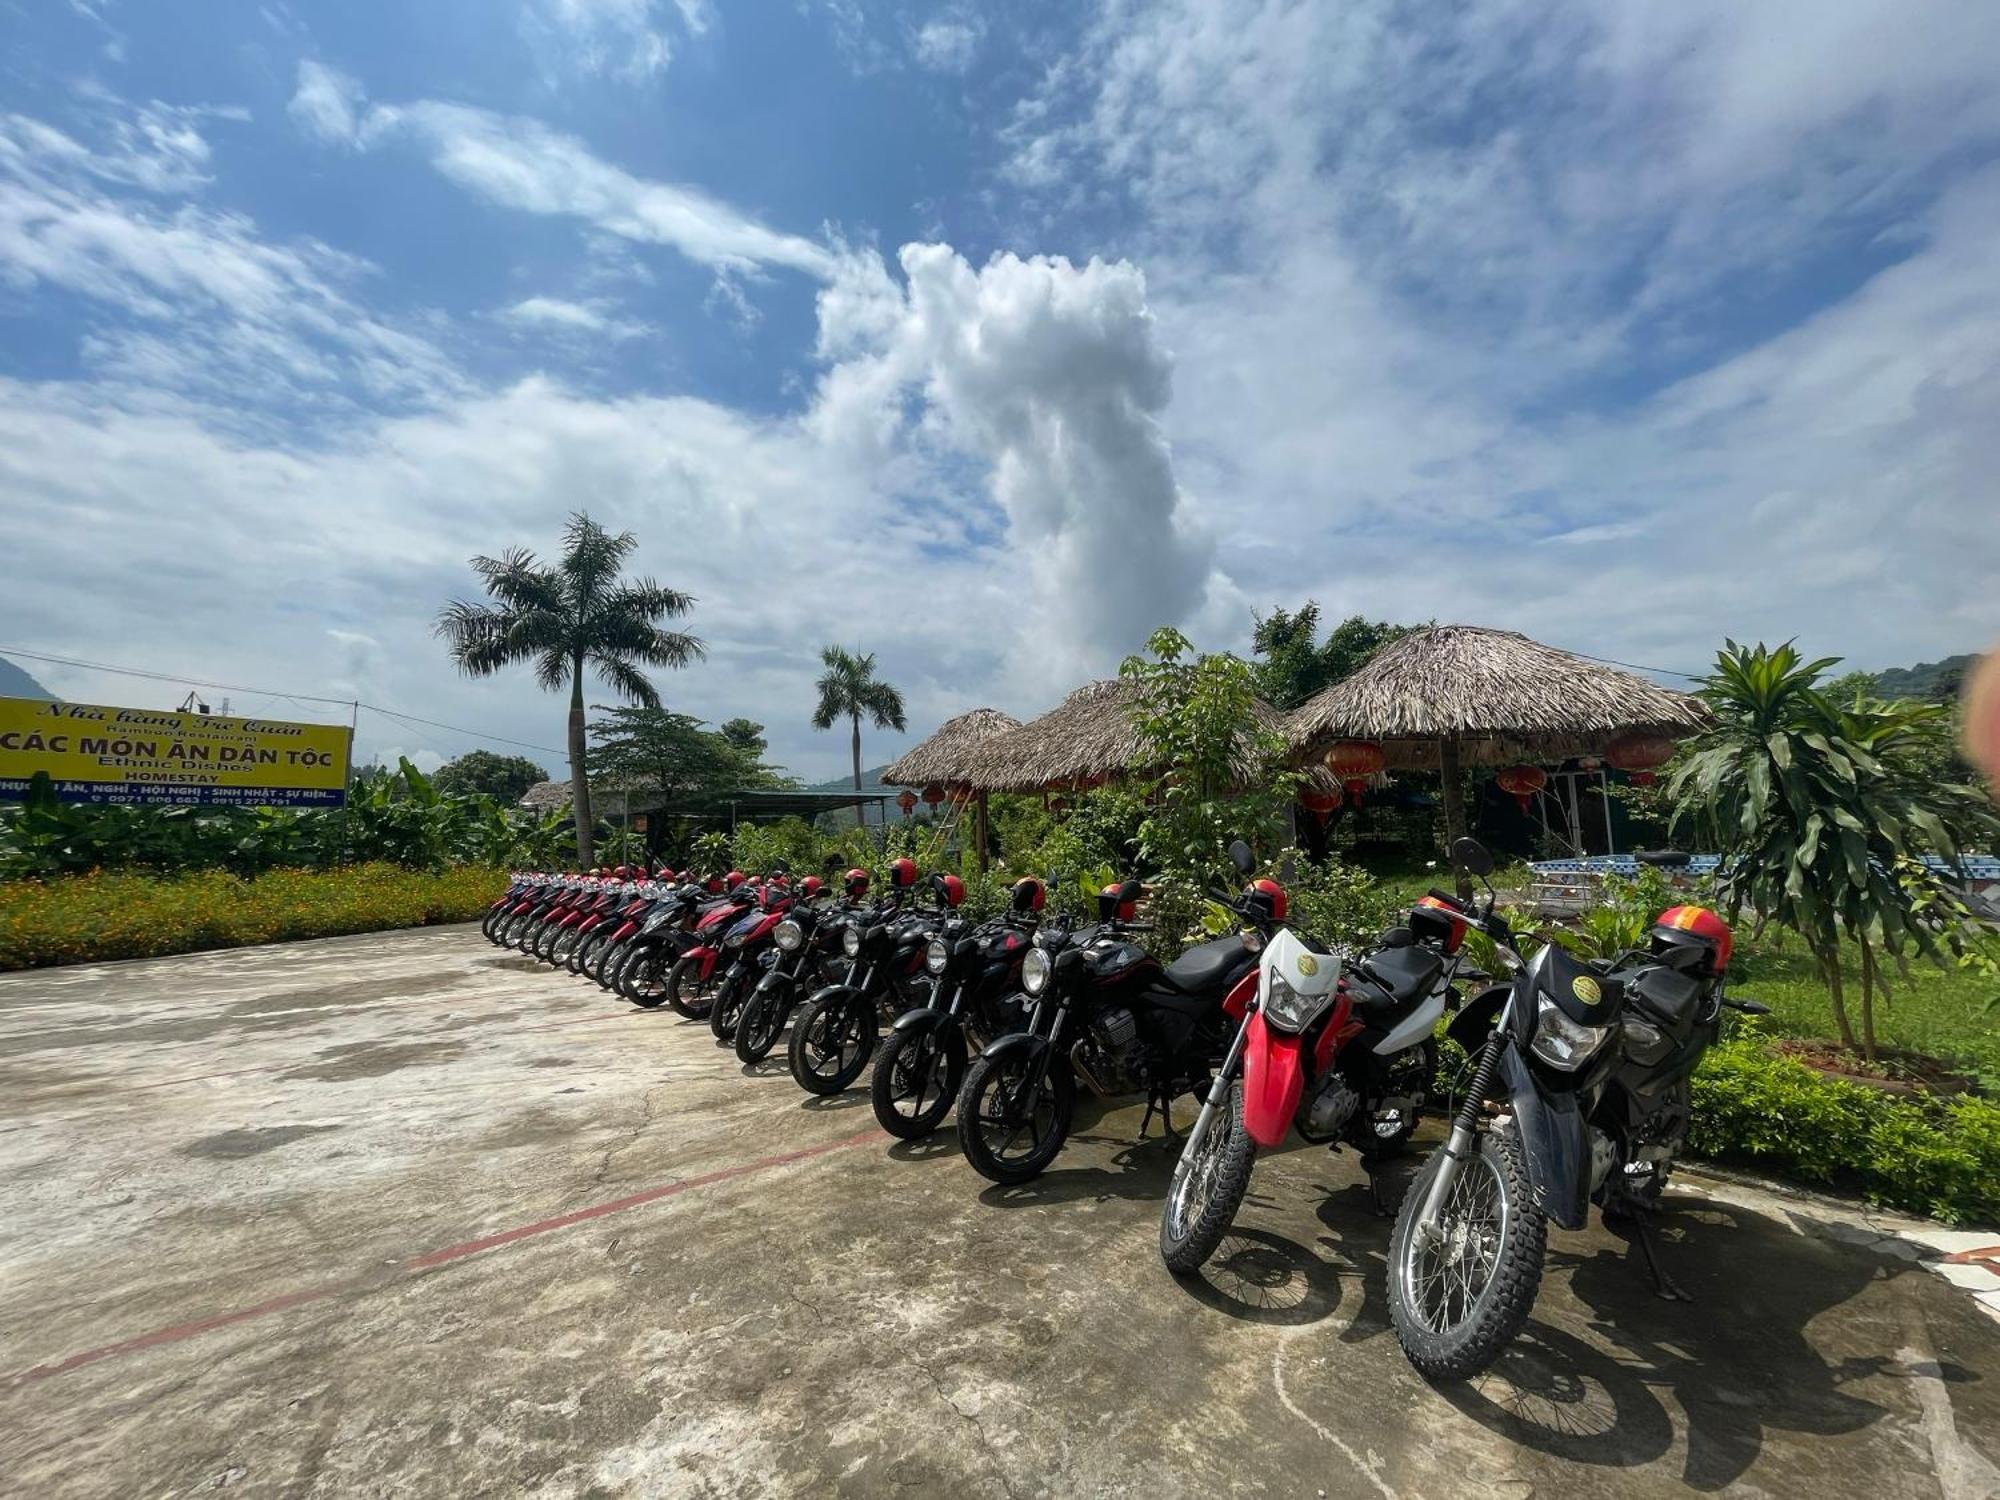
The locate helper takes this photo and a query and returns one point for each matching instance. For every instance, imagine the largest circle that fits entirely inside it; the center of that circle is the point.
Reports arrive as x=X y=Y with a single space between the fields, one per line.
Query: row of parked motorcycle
x=1575 y=1088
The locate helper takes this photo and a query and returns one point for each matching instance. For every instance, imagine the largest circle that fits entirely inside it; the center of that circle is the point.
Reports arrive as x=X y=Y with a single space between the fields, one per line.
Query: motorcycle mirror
x=1240 y=856
x=1471 y=856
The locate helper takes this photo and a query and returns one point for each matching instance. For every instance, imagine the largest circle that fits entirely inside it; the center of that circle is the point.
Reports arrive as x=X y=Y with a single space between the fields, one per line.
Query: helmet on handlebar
x=1110 y=907
x=1267 y=899
x=665 y=872
x=953 y=890
x=810 y=886
x=1679 y=926
x=856 y=883
x=620 y=872
x=902 y=873
x=1028 y=894
x=732 y=880
x=1439 y=922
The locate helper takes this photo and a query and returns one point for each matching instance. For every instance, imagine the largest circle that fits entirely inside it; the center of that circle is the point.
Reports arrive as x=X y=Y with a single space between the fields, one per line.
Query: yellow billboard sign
x=97 y=754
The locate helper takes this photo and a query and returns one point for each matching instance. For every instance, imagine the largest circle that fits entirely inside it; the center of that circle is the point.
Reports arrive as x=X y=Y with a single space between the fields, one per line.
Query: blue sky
x=989 y=338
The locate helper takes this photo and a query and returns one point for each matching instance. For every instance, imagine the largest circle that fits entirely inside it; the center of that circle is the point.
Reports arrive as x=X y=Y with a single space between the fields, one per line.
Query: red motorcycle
x=751 y=947
x=696 y=975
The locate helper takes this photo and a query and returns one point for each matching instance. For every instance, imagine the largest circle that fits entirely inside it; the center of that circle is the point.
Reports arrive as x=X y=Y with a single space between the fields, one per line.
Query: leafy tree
x=1821 y=810
x=564 y=616
x=1295 y=665
x=747 y=735
x=849 y=689
x=501 y=777
x=664 y=753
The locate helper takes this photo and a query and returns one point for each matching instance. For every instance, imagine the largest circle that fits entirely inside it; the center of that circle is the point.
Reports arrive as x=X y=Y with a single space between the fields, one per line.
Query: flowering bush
x=86 y=918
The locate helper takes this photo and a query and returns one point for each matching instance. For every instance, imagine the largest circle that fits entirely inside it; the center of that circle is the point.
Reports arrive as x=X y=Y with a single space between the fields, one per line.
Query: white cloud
x=625 y=40
x=326 y=104
x=554 y=314
x=948 y=42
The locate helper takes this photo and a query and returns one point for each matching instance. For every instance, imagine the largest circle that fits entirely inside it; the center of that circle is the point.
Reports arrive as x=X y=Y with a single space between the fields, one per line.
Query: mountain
x=15 y=683
x=871 y=781
x=1932 y=681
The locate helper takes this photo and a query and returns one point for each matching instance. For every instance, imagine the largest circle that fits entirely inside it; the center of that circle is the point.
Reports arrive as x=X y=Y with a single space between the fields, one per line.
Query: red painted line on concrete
x=179 y=1332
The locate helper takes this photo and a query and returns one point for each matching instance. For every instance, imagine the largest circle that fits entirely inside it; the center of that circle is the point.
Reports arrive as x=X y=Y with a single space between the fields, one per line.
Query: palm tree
x=564 y=616
x=847 y=690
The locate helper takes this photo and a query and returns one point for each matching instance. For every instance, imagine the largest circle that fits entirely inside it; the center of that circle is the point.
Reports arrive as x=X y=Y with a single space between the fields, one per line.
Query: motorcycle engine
x=1603 y=1157
x=1329 y=1108
x=1110 y=1052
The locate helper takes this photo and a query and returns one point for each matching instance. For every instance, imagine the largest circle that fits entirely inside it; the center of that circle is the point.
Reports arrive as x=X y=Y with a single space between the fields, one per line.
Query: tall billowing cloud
x=1054 y=376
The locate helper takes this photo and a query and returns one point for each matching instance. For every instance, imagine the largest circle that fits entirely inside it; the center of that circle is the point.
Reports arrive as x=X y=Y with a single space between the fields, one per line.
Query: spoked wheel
x=544 y=946
x=689 y=992
x=760 y=1025
x=515 y=933
x=1010 y=1126
x=1202 y=1203
x=832 y=1043
x=586 y=948
x=916 y=1079
x=495 y=920
x=730 y=998
x=1459 y=1294
x=602 y=962
x=642 y=978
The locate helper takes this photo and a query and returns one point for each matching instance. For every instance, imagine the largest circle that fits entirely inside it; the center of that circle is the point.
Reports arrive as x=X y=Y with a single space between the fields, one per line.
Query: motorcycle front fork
x=1218 y=1098
x=1459 y=1143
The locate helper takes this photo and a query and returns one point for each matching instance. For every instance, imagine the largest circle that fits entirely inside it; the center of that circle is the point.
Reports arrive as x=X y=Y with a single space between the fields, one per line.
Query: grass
x=88 y=918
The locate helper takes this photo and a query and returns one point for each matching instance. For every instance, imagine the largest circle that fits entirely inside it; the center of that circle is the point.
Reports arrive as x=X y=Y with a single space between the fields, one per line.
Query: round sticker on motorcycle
x=1308 y=965
x=1585 y=989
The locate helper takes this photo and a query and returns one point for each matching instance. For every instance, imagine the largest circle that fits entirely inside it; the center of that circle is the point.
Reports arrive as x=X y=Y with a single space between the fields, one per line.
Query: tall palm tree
x=849 y=689
x=563 y=616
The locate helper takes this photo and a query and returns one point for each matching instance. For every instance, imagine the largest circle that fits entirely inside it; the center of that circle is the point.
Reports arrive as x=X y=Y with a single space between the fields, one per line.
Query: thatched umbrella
x=950 y=758
x=1454 y=695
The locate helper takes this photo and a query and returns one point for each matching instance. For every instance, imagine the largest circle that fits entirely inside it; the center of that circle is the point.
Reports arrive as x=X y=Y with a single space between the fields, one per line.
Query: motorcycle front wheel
x=760 y=1025
x=1009 y=1126
x=1202 y=1203
x=730 y=998
x=688 y=992
x=832 y=1043
x=586 y=948
x=1458 y=1295
x=642 y=977
x=917 y=1078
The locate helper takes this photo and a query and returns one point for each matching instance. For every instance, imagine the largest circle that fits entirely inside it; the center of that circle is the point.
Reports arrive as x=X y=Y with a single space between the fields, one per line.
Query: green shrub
x=1932 y=1156
x=88 y=918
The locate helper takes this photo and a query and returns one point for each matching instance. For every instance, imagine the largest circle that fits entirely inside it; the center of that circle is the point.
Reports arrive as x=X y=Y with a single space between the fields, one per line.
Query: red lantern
x=1523 y=782
x=933 y=795
x=1316 y=801
x=1354 y=761
x=1641 y=750
x=960 y=795
x=907 y=801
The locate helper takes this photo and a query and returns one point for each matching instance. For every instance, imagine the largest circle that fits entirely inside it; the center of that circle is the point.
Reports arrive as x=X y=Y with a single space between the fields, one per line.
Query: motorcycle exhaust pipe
x=1083 y=1070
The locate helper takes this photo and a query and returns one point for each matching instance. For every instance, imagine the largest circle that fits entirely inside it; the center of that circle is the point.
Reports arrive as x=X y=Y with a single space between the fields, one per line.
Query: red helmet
x=713 y=885
x=857 y=882
x=597 y=872
x=665 y=873
x=902 y=873
x=1432 y=918
x=954 y=890
x=621 y=873
x=1109 y=906
x=811 y=886
x=1679 y=925
x=1269 y=898
x=1028 y=894
x=733 y=879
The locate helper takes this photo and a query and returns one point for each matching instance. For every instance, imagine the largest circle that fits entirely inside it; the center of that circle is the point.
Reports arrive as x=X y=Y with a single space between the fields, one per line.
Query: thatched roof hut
x=1086 y=739
x=950 y=756
x=1486 y=697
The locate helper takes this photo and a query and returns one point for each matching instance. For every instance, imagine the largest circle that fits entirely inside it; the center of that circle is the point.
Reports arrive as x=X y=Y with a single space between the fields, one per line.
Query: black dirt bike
x=1578 y=1093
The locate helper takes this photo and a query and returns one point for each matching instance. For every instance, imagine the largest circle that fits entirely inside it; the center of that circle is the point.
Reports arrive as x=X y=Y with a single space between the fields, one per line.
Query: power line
x=1612 y=661
x=237 y=687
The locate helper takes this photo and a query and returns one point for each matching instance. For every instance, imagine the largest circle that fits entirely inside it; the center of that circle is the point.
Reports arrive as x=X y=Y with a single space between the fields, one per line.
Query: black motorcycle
x=977 y=972
x=1105 y=1009
x=647 y=959
x=809 y=957
x=1578 y=1093
x=836 y=1033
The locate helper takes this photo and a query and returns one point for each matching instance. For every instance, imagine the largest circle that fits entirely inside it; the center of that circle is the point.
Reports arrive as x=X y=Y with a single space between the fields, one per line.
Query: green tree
x=503 y=777
x=1296 y=665
x=1821 y=811
x=563 y=617
x=747 y=735
x=850 y=690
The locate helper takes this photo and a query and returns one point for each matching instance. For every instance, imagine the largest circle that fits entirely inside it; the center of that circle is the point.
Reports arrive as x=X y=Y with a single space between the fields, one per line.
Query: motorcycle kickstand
x=1159 y=1102
x=1646 y=1239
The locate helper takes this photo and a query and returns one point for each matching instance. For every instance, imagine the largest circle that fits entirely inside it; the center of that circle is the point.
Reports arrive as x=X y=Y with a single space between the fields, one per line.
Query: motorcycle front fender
x=1016 y=1043
x=1558 y=1144
x=1274 y=1078
x=924 y=1016
x=834 y=994
x=704 y=960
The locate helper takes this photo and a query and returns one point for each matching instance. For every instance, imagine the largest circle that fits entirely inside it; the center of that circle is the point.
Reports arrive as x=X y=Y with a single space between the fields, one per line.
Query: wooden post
x=1454 y=809
x=979 y=829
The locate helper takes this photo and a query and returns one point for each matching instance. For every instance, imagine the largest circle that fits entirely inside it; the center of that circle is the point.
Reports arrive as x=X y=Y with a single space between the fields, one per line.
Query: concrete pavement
x=400 y=1214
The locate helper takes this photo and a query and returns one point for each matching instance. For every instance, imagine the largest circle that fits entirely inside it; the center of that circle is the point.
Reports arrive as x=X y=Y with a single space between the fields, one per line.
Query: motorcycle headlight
x=788 y=935
x=1288 y=1010
x=936 y=956
x=850 y=942
x=1561 y=1042
x=1035 y=970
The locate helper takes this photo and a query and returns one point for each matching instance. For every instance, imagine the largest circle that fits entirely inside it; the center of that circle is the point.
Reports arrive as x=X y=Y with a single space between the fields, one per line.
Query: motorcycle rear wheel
x=917 y=1078
x=1458 y=1300
x=832 y=1043
x=992 y=1117
x=1202 y=1205
x=688 y=992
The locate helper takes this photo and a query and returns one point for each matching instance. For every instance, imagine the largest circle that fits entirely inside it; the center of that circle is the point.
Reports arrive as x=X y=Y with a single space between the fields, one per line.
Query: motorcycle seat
x=1207 y=967
x=1405 y=973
